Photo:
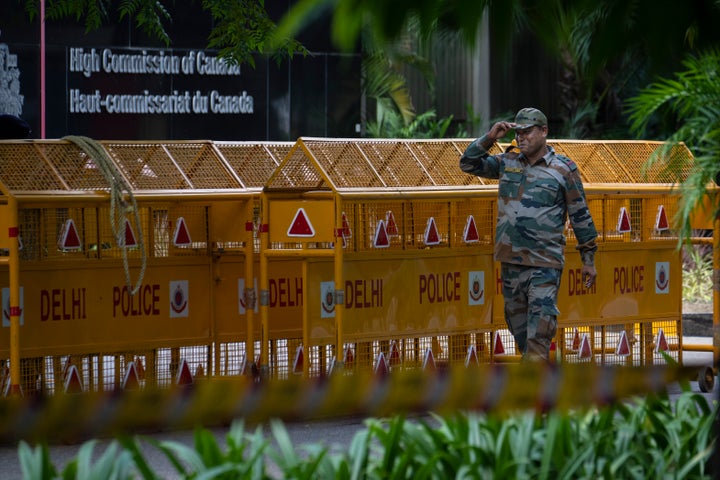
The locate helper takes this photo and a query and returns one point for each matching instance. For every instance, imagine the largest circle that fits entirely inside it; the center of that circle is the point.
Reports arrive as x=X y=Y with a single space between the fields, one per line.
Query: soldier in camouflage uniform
x=537 y=192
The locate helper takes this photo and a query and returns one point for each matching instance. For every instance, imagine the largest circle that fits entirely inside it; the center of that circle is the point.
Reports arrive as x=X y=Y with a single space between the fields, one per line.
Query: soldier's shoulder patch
x=572 y=166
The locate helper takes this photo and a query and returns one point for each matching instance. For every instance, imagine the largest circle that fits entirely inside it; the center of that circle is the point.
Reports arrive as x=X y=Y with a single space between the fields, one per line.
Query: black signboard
x=113 y=83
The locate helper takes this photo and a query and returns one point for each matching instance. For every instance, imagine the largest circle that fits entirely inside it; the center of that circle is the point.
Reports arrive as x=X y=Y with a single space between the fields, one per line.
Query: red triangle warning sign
x=498 y=347
x=140 y=368
x=381 y=366
x=184 y=376
x=576 y=340
x=394 y=354
x=432 y=237
x=72 y=381
x=470 y=234
x=181 y=237
x=381 y=239
x=299 y=361
x=623 y=225
x=623 y=346
x=585 y=350
x=661 y=344
x=429 y=360
x=661 y=220
x=391 y=224
x=129 y=235
x=301 y=226
x=346 y=230
x=131 y=381
x=471 y=359
x=69 y=239
x=349 y=358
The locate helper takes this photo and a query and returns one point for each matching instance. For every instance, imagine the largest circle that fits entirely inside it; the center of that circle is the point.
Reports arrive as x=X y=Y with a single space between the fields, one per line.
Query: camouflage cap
x=528 y=117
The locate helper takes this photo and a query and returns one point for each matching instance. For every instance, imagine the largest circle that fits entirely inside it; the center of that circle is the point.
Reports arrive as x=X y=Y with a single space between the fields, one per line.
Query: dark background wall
x=314 y=95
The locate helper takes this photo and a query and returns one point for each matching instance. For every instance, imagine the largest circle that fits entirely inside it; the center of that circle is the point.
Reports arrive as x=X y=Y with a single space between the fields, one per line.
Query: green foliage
x=424 y=125
x=113 y=463
x=35 y=462
x=692 y=99
x=644 y=438
x=243 y=28
x=149 y=15
x=697 y=275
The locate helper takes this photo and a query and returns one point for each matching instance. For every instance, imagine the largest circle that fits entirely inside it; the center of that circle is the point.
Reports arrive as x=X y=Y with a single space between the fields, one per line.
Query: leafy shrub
x=697 y=275
x=646 y=438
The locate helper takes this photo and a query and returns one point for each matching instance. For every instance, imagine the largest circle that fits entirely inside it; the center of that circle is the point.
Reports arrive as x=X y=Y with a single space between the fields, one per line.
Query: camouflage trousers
x=531 y=311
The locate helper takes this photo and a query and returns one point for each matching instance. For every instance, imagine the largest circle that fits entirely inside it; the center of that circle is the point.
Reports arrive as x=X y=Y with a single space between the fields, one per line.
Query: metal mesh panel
x=621 y=344
x=42 y=232
x=483 y=215
x=253 y=163
x=624 y=161
x=202 y=167
x=345 y=164
x=60 y=165
x=377 y=164
x=165 y=222
x=297 y=172
x=51 y=225
x=654 y=207
x=405 y=223
x=652 y=335
x=100 y=372
x=395 y=164
x=232 y=359
x=27 y=167
x=281 y=356
x=466 y=349
x=440 y=160
x=503 y=345
x=423 y=214
x=147 y=166
x=320 y=358
x=107 y=245
x=612 y=220
x=364 y=218
x=597 y=164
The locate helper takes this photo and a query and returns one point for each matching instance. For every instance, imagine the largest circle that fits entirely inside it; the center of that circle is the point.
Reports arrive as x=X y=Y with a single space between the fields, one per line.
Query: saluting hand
x=499 y=130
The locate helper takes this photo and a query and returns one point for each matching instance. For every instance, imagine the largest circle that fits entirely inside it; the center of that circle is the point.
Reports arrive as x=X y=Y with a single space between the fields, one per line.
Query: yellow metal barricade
x=239 y=258
x=390 y=246
x=134 y=260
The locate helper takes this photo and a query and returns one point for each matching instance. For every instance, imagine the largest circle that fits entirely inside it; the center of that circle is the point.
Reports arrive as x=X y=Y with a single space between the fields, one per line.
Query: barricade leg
x=151 y=369
x=57 y=370
x=648 y=341
x=174 y=361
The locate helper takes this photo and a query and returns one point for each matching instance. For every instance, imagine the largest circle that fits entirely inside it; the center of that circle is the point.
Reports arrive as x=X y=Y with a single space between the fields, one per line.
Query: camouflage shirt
x=534 y=202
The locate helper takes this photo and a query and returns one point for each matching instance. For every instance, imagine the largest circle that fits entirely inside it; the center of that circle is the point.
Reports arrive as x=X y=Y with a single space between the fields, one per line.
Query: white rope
x=119 y=208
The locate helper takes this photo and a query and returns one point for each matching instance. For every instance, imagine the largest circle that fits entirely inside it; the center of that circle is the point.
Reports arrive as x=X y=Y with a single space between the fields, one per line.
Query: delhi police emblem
x=327 y=299
x=476 y=290
x=662 y=277
x=179 y=299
